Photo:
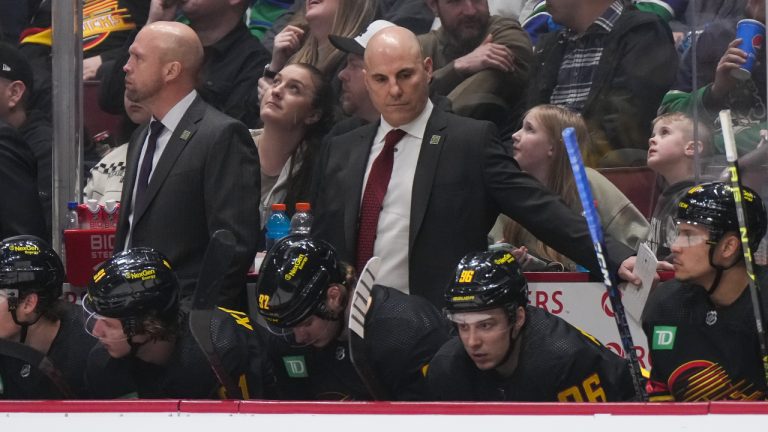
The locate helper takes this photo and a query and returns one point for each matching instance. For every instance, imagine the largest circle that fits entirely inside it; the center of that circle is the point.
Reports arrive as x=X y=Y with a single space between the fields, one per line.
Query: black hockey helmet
x=294 y=278
x=486 y=280
x=712 y=205
x=28 y=265
x=132 y=285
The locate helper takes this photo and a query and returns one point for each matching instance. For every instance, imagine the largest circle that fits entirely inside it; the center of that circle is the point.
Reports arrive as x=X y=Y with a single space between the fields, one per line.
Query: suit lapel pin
x=435 y=139
x=185 y=135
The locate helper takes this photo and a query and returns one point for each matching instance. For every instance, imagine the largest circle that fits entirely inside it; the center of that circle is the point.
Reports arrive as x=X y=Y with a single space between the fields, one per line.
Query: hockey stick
x=218 y=257
x=361 y=302
x=596 y=232
x=39 y=360
x=754 y=289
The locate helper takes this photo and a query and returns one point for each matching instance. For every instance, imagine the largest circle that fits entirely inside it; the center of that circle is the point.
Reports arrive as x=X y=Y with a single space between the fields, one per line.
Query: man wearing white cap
x=355 y=101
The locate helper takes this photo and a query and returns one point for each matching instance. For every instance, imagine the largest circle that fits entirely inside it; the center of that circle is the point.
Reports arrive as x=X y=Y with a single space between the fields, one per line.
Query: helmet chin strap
x=512 y=339
x=24 y=325
x=719 y=269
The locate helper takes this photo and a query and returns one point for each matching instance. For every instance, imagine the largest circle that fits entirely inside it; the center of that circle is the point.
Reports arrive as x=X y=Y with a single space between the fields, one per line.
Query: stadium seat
x=94 y=119
x=638 y=184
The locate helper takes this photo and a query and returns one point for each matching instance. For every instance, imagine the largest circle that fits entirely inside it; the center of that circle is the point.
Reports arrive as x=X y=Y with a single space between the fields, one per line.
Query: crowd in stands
x=420 y=131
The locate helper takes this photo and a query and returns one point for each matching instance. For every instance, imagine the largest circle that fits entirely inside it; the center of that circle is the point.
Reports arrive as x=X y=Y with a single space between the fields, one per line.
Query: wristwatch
x=269 y=73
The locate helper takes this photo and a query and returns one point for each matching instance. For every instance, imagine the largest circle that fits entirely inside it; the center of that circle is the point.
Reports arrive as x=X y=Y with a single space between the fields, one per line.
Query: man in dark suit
x=202 y=172
x=450 y=177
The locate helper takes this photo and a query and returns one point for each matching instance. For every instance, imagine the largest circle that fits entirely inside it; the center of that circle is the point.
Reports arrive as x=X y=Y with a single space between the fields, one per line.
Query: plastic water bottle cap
x=72 y=205
x=302 y=207
x=278 y=207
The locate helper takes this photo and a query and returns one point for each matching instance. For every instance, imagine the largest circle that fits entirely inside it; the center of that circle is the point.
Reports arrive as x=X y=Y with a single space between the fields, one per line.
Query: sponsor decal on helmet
x=695 y=189
x=27 y=249
x=463 y=298
x=143 y=275
x=297 y=265
x=99 y=274
x=167 y=264
x=507 y=258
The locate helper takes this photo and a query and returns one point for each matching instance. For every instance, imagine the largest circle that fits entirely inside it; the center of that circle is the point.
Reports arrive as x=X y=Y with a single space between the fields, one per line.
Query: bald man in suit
x=450 y=179
x=192 y=170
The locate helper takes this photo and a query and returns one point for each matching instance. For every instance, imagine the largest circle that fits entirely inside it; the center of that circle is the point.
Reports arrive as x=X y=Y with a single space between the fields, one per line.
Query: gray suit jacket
x=207 y=179
x=464 y=178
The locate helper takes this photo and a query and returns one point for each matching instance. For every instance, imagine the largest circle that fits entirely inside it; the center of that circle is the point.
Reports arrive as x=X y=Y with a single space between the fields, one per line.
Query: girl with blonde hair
x=539 y=150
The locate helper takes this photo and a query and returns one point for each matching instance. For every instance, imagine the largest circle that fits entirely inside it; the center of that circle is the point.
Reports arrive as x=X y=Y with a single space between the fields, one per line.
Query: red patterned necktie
x=375 y=190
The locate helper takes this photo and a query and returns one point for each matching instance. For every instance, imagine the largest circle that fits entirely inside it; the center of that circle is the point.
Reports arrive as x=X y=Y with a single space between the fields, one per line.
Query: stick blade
x=361 y=302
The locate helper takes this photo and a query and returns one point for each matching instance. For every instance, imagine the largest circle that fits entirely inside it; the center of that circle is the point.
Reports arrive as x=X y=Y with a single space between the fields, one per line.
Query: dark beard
x=462 y=43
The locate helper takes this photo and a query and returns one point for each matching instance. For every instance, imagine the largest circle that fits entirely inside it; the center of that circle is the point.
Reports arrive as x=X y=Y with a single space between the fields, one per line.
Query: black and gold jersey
x=557 y=363
x=700 y=352
x=187 y=374
x=402 y=333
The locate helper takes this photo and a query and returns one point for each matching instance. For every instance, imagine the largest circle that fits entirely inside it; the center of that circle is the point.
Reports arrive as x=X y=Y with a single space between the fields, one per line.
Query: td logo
x=664 y=337
x=295 y=366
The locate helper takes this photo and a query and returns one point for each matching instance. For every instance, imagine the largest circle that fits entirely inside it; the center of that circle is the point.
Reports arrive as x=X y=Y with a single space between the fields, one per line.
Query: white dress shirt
x=392 y=233
x=170 y=121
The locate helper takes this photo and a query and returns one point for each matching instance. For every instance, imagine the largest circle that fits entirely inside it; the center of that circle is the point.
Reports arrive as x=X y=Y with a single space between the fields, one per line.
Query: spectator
x=233 y=63
x=305 y=295
x=263 y=13
x=106 y=180
x=297 y=110
x=305 y=40
x=613 y=64
x=414 y=15
x=701 y=325
x=145 y=346
x=16 y=86
x=539 y=150
x=192 y=171
x=671 y=154
x=450 y=178
x=507 y=350
x=106 y=27
x=32 y=314
x=355 y=101
x=481 y=62
x=717 y=55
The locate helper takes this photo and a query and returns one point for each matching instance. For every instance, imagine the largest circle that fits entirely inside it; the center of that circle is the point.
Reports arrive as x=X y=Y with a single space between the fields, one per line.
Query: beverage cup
x=751 y=33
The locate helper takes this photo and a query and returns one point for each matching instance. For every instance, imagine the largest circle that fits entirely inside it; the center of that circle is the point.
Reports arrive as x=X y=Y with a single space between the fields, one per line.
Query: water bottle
x=278 y=225
x=71 y=221
x=301 y=222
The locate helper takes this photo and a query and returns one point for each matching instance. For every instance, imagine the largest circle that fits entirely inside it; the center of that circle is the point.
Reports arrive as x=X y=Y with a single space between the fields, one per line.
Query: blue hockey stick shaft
x=596 y=232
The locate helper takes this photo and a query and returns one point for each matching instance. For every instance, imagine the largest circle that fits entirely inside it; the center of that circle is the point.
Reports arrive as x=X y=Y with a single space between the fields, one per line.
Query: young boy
x=671 y=154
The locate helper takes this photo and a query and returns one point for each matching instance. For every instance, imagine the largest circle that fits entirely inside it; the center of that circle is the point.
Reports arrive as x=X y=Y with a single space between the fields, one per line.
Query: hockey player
x=31 y=313
x=304 y=296
x=701 y=326
x=508 y=351
x=146 y=349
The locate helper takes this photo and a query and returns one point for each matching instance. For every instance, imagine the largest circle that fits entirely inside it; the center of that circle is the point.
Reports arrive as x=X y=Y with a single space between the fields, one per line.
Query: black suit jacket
x=20 y=208
x=462 y=183
x=207 y=179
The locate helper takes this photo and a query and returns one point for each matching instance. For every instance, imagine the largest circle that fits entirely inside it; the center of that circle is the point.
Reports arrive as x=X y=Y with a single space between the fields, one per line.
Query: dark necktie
x=375 y=190
x=155 y=129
